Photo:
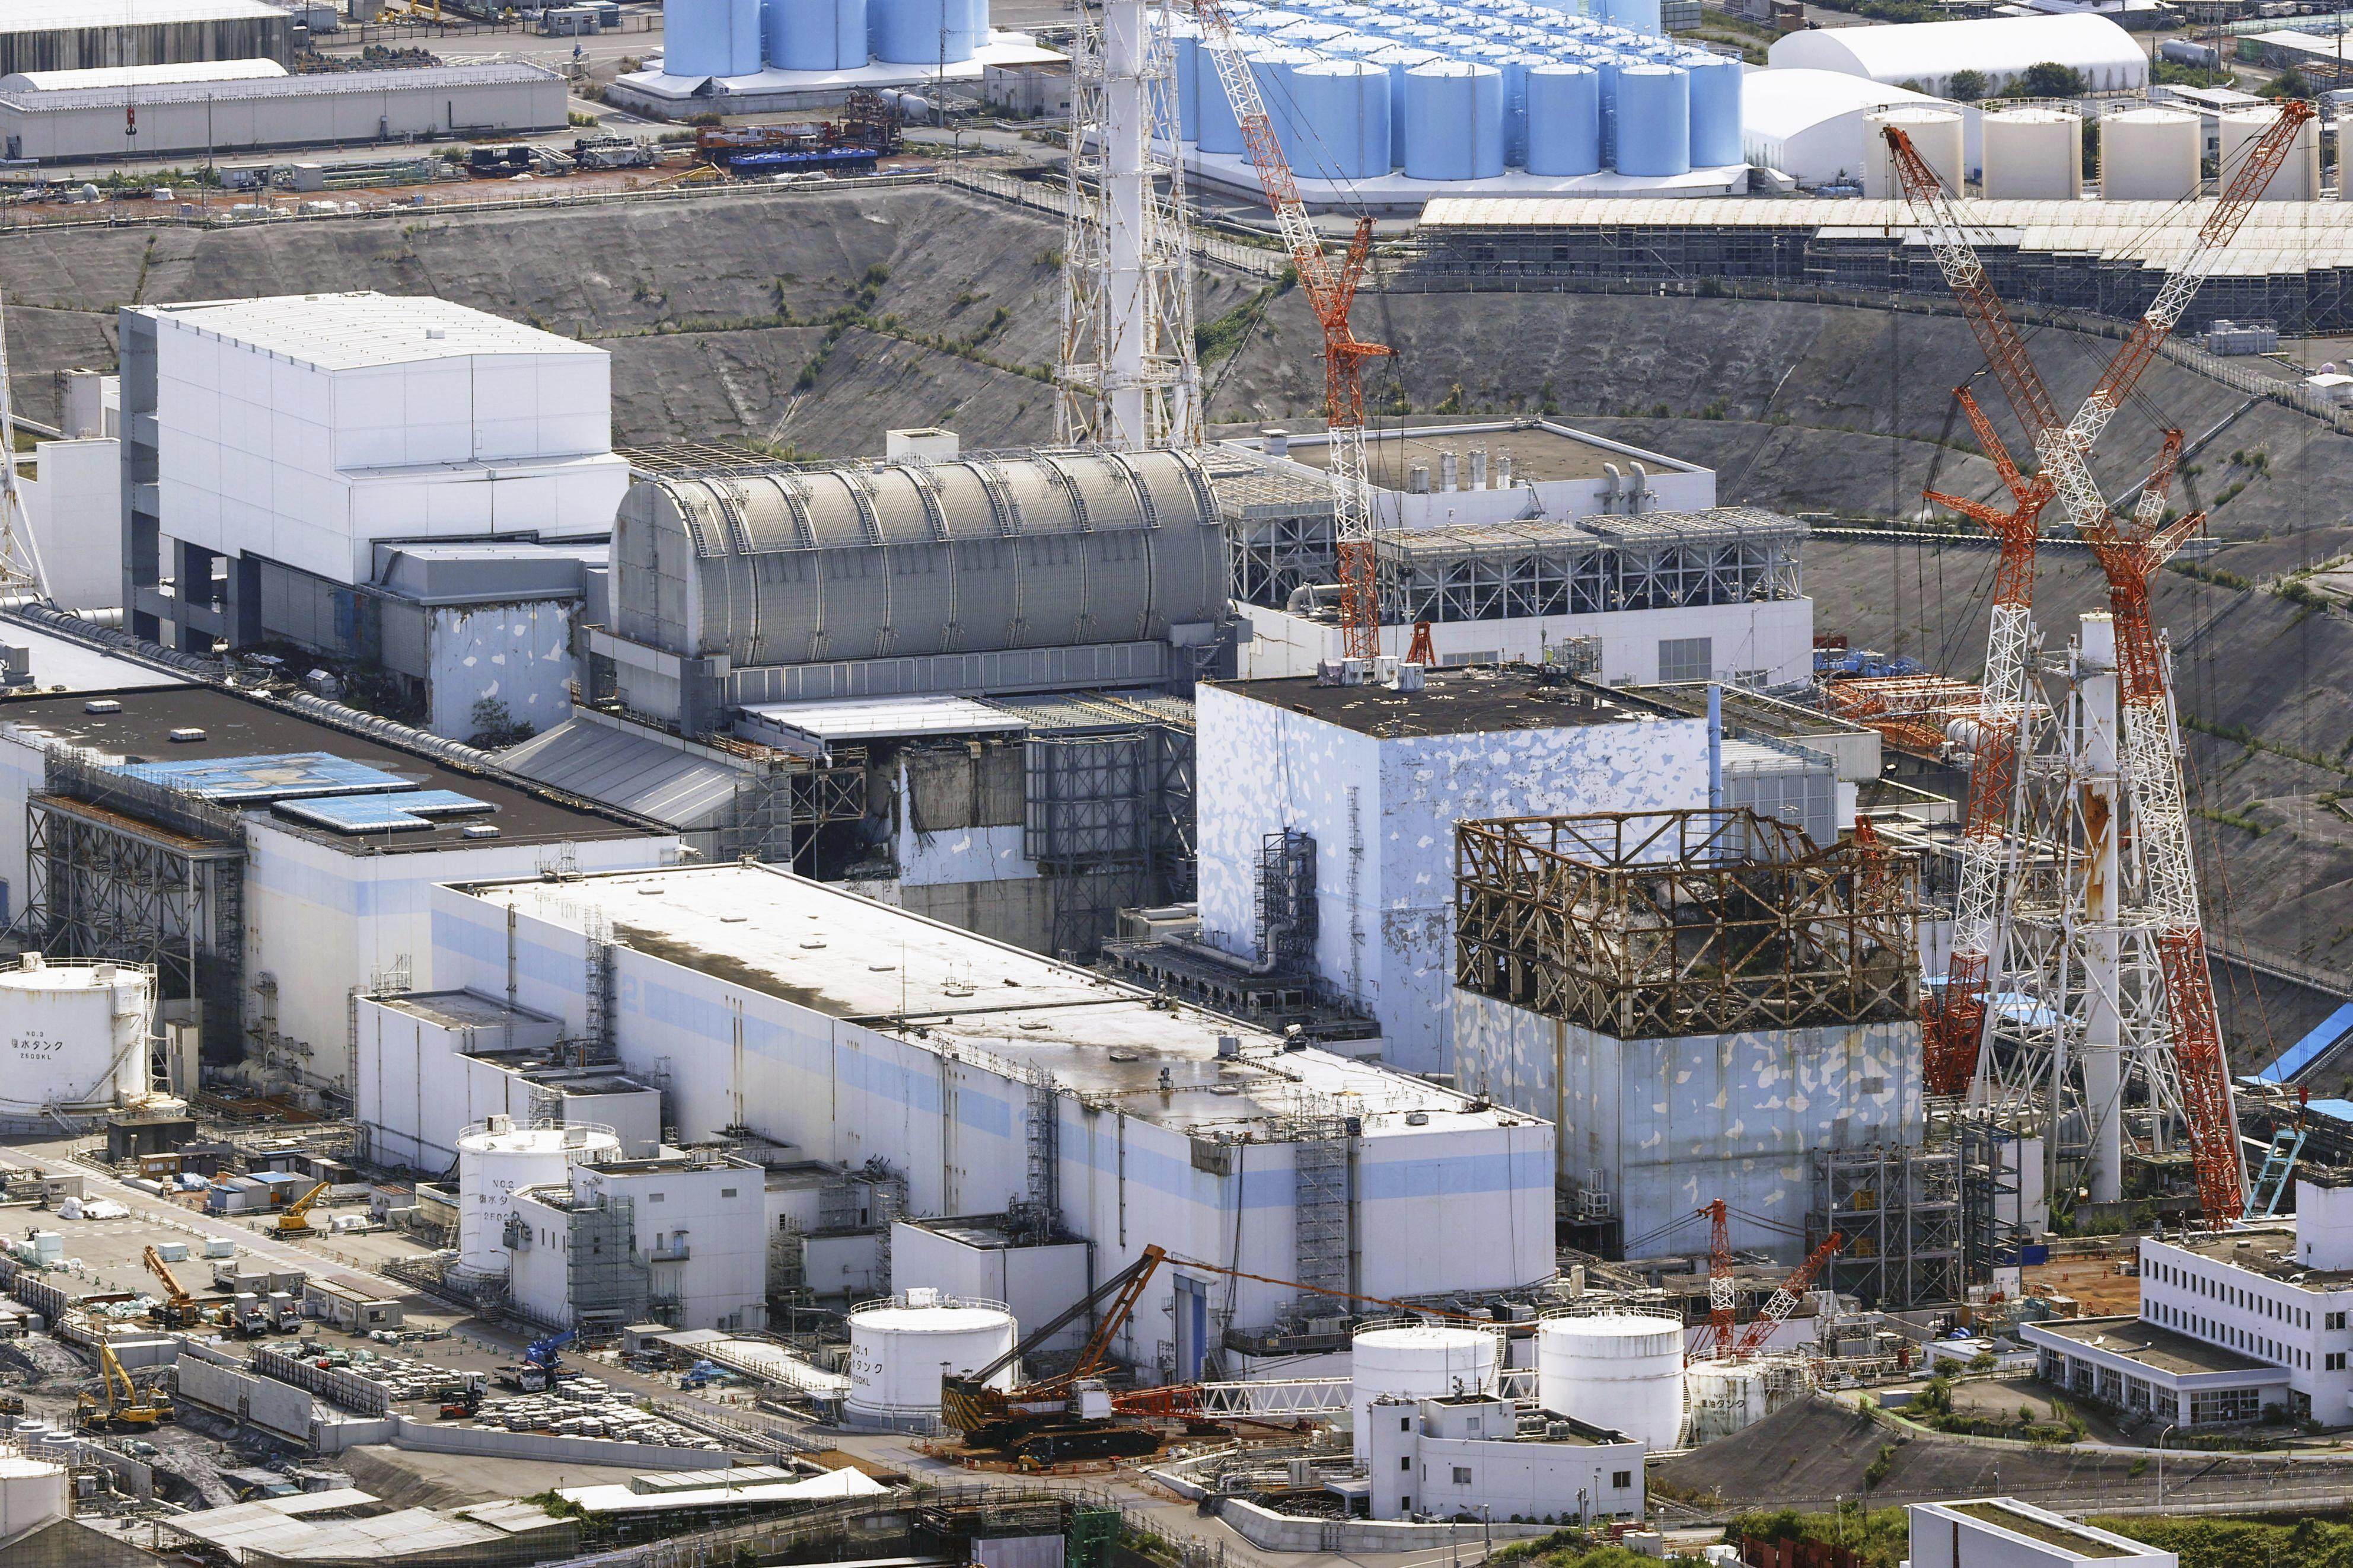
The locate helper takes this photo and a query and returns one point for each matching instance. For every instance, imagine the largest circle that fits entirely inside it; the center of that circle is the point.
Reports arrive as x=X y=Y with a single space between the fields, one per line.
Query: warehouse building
x=1927 y=56
x=262 y=861
x=790 y=1010
x=91 y=34
x=64 y=117
x=1703 y=1000
x=1811 y=124
x=2292 y=262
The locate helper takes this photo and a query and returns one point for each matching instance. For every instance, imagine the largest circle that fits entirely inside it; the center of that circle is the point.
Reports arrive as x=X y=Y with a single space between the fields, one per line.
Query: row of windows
x=1621 y=1480
x=2206 y=1285
x=2262 y=1345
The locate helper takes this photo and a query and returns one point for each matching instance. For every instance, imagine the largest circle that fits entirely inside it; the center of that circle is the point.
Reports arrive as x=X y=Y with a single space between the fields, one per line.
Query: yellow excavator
x=294 y=1219
x=125 y=1407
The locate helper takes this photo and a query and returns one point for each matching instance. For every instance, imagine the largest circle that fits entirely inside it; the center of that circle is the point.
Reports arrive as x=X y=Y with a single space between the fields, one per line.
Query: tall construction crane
x=1034 y=1419
x=1723 y=1294
x=1331 y=284
x=2148 y=752
x=179 y=1309
x=1784 y=1298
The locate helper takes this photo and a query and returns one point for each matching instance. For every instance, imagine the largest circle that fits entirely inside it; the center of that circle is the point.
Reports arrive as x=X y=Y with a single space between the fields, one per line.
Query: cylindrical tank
x=1343 y=113
x=2148 y=155
x=1564 y=121
x=1398 y=59
x=1723 y=1397
x=1453 y=122
x=1716 y=108
x=1617 y=1370
x=816 y=35
x=73 y=1035
x=1185 y=47
x=1272 y=66
x=497 y=1158
x=1634 y=15
x=711 y=38
x=1654 y=119
x=2033 y=155
x=1418 y=1360
x=900 y=1348
x=2298 y=179
x=979 y=22
x=920 y=32
x=32 y=1494
x=1936 y=135
x=1216 y=127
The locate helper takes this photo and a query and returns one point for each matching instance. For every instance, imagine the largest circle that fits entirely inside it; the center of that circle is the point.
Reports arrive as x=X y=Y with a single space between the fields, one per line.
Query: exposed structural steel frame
x=1899 y=1209
x=1511 y=570
x=1128 y=374
x=1654 y=924
x=139 y=873
x=779 y=807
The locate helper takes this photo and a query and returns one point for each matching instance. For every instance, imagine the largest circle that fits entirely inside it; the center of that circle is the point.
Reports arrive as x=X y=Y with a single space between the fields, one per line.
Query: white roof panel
x=876 y=718
x=1779 y=104
x=1989 y=44
x=47 y=15
x=349 y=332
x=119 y=77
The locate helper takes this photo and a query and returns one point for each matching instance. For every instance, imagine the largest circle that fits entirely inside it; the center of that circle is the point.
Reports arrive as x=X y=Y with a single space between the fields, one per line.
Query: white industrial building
x=985 y=1257
x=73 y=496
x=792 y=1010
x=1326 y=818
x=693 y=1225
x=215 y=109
x=2003 y=1533
x=432 y=1063
x=1483 y=1455
x=1810 y=124
x=1925 y=55
x=284 y=877
x=276 y=443
x=88 y=35
x=2230 y=1324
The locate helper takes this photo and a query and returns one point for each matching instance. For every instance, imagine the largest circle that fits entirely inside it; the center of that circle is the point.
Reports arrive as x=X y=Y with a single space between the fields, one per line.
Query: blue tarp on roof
x=2300 y=1056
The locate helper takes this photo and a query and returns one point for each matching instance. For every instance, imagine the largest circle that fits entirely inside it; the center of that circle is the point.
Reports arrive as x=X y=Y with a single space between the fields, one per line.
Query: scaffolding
x=1656 y=924
x=1286 y=901
x=1899 y=1209
x=609 y=1283
x=783 y=801
x=134 y=872
x=1999 y=1164
x=1035 y=1215
x=1592 y=565
x=1319 y=1136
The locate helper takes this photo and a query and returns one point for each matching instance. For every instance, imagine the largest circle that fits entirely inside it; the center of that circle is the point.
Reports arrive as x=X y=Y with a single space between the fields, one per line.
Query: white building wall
x=2285 y=1325
x=518 y=655
x=1037 y=1282
x=1775 y=639
x=1412 y=1472
x=1942 y=1537
x=308 y=467
x=843 y=1091
x=1671 y=1124
x=225 y=121
x=74 y=502
x=539 y=1276
x=325 y=921
x=958 y=855
x=699 y=1228
x=1382 y=812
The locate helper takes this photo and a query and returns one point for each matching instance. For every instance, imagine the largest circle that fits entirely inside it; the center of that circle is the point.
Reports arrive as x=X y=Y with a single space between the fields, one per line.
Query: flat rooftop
x=1452 y=702
x=2268 y=1251
x=457 y=1009
x=234 y=726
x=47 y=16
x=1768 y=715
x=2153 y=1346
x=1538 y=452
x=349 y=332
x=848 y=958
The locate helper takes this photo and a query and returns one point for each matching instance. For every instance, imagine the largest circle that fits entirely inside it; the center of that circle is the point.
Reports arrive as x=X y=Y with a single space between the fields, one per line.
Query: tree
x=2049 y=79
x=1968 y=86
x=2289 y=83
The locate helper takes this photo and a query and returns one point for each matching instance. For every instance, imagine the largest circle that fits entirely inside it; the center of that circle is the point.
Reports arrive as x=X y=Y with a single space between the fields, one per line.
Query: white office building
x=693 y=1230
x=1486 y=1457
x=794 y=1011
x=2234 y=1322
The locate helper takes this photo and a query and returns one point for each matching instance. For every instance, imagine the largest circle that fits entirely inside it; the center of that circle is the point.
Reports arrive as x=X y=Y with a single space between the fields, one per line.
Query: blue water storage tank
x=1564 y=121
x=1714 y=111
x=711 y=37
x=1453 y=122
x=1398 y=59
x=1653 y=120
x=980 y=23
x=1636 y=16
x=920 y=32
x=1515 y=68
x=1308 y=32
x=1217 y=129
x=1185 y=49
x=1272 y=66
x=1343 y=119
x=816 y=35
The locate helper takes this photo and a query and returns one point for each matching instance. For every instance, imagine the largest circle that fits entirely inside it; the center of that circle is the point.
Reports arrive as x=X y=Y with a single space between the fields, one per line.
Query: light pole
x=2161 y=1437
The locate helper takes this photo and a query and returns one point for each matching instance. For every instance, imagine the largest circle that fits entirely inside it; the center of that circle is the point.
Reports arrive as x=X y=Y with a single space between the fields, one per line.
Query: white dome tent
x=1927 y=55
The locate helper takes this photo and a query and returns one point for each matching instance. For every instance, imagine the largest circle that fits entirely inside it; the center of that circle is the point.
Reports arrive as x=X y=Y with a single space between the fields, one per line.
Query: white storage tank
x=1418 y=1361
x=32 y=1492
x=901 y=1347
x=73 y=1036
x=495 y=1159
x=1726 y=1397
x=2149 y=155
x=1936 y=135
x=2033 y=155
x=2298 y=179
x=1623 y=1371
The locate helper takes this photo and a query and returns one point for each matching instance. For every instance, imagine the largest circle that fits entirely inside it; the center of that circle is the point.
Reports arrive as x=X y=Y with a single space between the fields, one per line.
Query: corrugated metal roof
x=635 y=770
x=419 y=78
x=2278 y=237
x=344 y=331
x=47 y=15
x=881 y=718
x=144 y=76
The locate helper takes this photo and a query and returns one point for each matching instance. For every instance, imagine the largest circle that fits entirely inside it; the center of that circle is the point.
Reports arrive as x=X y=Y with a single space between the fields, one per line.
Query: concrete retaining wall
x=435 y=1438
x=1277 y=1532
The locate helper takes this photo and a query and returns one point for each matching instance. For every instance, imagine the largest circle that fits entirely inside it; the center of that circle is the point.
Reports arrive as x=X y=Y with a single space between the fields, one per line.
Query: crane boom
x=1331 y=284
x=1722 y=1295
x=1786 y=1299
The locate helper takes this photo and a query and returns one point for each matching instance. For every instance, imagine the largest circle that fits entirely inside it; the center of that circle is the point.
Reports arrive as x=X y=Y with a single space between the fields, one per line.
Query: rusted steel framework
x=1656 y=924
x=1912 y=710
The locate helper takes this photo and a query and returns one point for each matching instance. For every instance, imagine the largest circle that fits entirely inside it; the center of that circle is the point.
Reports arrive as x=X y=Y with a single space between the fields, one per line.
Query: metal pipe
x=1715 y=746
x=1305 y=598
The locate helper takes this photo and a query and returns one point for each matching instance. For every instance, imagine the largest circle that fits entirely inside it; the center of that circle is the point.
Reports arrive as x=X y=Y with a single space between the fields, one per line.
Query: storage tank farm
x=1504 y=90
